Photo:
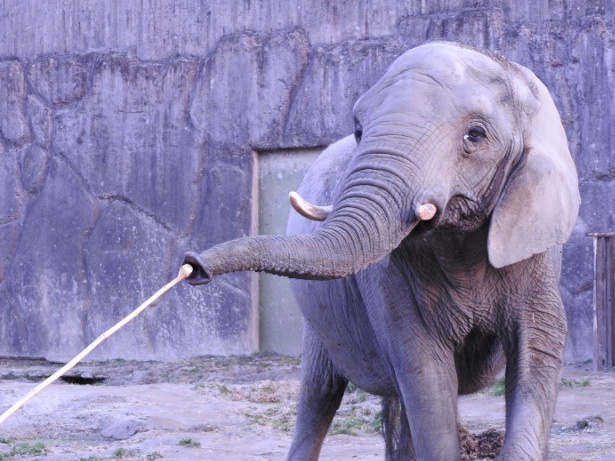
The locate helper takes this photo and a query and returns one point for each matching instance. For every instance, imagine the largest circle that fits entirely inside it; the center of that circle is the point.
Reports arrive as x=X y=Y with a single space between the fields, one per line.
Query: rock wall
x=128 y=133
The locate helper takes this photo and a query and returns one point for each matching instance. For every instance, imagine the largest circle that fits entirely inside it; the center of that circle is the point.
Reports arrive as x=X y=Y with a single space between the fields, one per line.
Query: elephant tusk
x=425 y=212
x=307 y=210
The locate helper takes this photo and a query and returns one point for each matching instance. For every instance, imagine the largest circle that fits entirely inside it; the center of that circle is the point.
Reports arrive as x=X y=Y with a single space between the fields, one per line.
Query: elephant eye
x=475 y=134
x=358 y=130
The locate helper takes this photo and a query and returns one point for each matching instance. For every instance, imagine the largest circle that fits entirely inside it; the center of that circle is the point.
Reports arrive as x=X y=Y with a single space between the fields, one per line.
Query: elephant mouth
x=461 y=214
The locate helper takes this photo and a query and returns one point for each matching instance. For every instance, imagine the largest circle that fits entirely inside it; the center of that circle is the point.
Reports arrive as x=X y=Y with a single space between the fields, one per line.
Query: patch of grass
x=260 y=392
x=497 y=389
x=203 y=428
x=354 y=394
x=360 y=420
x=377 y=421
x=575 y=383
x=264 y=392
x=123 y=453
x=154 y=455
x=270 y=392
x=361 y=396
x=215 y=387
x=24 y=449
x=223 y=389
x=280 y=417
x=90 y=458
x=190 y=443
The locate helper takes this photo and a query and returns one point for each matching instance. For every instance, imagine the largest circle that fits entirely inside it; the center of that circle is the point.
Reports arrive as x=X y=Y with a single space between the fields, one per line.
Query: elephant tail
x=396 y=431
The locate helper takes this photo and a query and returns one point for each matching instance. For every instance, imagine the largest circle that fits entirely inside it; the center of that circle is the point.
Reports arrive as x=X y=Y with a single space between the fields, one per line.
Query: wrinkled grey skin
x=430 y=310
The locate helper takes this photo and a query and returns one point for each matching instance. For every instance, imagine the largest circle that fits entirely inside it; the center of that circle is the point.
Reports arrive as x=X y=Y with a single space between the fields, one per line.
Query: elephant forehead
x=420 y=96
x=432 y=74
x=436 y=61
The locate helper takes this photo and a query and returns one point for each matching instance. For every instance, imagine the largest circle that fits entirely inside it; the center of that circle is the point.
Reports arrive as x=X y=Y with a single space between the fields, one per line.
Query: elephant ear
x=538 y=207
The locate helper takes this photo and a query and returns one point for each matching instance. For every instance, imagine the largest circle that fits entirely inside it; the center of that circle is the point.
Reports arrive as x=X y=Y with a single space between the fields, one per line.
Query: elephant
x=426 y=251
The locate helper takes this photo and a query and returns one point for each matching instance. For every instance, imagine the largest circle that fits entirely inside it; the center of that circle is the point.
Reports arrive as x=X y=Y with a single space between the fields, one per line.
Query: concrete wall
x=129 y=133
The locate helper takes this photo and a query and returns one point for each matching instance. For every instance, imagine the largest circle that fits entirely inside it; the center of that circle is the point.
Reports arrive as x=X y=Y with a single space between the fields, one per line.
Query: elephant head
x=449 y=138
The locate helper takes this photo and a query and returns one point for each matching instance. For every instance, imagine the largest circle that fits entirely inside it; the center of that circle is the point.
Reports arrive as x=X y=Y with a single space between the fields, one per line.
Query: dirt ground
x=242 y=408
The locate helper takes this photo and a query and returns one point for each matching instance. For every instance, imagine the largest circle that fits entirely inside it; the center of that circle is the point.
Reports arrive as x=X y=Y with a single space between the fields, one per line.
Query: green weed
x=123 y=453
x=497 y=389
x=377 y=421
x=360 y=420
x=574 y=383
x=24 y=449
x=280 y=417
x=190 y=443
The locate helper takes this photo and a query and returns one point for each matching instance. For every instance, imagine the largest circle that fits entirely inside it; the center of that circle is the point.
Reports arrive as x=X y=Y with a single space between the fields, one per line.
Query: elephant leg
x=422 y=366
x=397 y=436
x=533 y=373
x=320 y=395
x=429 y=391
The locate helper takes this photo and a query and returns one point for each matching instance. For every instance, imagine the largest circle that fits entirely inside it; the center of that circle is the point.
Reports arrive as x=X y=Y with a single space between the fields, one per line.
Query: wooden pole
x=184 y=272
x=604 y=300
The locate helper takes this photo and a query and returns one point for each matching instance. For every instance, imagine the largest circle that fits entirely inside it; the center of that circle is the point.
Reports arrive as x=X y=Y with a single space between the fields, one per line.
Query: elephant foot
x=517 y=453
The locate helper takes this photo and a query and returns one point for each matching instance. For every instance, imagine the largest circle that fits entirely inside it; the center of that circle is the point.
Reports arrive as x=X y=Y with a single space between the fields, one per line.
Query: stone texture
x=123 y=283
x=11 y=207
x=130 y=137
x=226 y=194
x=325 y=92
x=10 y=190
x=480 y=27
x=58 y=81
x=128 y=133
x=33 y=163
x=13 y=125
x=45 y=295
x=264 y=71
x=41 y=120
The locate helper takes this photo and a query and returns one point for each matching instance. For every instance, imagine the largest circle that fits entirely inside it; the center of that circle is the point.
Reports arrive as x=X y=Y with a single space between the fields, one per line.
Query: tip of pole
x=185 y=270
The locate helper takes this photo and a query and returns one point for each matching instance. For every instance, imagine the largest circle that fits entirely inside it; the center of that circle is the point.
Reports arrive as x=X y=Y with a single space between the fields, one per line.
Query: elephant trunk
x=370 y=220
x=310 y=256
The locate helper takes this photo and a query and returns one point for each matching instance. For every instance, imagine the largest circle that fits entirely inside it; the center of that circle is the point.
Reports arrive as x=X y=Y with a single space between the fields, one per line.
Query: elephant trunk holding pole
x=433 y=258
